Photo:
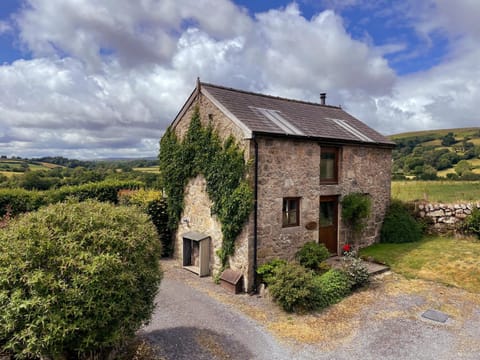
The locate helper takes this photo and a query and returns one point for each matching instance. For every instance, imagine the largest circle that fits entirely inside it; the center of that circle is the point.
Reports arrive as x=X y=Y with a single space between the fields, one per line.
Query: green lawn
x=446 y=260
x=436 y=191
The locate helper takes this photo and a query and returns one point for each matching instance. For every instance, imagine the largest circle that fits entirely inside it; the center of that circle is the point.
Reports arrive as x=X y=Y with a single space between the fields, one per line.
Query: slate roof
x=264 y=114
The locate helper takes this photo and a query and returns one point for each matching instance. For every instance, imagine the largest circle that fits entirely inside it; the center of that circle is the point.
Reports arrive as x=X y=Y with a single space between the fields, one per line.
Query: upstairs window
x=328 y=165
x=291 y=212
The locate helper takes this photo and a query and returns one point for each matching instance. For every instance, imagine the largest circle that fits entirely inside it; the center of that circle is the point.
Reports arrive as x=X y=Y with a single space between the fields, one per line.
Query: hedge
x=17 y=201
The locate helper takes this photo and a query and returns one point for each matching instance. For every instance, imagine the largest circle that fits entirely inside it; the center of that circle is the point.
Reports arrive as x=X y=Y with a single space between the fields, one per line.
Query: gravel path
x=197 y=319
x=191 y=325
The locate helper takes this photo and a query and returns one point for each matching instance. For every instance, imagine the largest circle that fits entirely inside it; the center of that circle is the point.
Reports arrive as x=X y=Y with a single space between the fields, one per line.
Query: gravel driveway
x=196 y=319
x=191 y=325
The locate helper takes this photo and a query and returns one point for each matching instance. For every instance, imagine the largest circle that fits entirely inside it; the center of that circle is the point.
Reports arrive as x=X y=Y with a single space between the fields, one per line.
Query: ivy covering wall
x=224 y=168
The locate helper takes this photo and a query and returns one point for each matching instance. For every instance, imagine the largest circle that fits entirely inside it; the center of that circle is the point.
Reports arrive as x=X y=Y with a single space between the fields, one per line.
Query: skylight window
x=352 y=130
x=276 y=117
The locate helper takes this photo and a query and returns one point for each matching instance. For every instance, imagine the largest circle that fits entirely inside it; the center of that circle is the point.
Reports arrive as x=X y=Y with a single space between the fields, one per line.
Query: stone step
x=373 y=268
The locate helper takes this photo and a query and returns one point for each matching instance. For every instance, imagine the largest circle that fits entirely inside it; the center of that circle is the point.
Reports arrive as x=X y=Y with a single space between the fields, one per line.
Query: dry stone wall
x=444 y=218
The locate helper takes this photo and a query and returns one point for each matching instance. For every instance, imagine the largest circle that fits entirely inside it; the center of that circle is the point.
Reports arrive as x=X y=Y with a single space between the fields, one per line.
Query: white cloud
x=108 y=77
x=444 y=96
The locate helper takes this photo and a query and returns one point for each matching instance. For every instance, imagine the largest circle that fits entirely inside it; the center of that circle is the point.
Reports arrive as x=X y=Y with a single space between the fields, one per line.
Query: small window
x=329 y=165
x=291 y=212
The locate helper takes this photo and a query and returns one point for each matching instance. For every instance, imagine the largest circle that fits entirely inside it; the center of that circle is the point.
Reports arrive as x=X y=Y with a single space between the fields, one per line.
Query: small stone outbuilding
x=305 y=157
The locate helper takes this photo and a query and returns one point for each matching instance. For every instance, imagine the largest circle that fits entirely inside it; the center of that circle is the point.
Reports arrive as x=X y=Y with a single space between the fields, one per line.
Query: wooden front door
x=328 y=222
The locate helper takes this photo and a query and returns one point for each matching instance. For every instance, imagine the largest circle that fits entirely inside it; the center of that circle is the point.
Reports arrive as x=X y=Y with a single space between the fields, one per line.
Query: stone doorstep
x=373 y=268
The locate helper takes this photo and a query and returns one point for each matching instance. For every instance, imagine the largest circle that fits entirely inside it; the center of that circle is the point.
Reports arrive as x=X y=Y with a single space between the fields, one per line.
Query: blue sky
x=89 y=78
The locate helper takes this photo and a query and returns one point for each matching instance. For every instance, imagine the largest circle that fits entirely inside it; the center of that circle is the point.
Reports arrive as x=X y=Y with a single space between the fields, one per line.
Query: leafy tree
x=428 y=173
x=462 y=167
x=449 y=139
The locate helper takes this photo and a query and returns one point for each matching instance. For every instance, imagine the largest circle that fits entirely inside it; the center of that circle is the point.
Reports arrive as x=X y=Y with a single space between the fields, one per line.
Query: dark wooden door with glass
x=328 y=222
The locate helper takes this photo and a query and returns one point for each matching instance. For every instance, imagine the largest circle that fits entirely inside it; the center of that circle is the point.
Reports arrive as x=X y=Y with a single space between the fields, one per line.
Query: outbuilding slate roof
x=265 y=114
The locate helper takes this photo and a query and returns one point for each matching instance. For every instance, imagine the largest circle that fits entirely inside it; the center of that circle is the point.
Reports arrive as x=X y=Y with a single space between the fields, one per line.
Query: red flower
x=346 y=248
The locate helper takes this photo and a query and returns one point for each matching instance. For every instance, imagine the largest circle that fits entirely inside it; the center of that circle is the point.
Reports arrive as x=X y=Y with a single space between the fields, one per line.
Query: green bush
x=471 y=224
x=399 y=226
x=17 y=201
x=355 y=210
x=311 y=255
x=293 y=288
x=76 y=279
x=330 y=288
x=356 y=271
x=155 y=205
x=267 y=270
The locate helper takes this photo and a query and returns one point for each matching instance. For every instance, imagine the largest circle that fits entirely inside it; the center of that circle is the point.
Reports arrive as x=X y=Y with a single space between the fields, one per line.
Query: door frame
x=335 y=200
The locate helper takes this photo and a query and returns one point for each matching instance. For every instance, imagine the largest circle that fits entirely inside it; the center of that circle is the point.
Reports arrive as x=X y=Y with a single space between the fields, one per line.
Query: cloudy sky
x=104 y=78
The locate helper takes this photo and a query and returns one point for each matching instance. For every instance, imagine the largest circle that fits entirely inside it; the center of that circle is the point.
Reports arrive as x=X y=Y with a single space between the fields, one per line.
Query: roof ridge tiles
x=270 y=96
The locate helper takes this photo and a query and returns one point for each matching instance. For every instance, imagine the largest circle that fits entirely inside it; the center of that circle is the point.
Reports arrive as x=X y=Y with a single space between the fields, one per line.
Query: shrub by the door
x=312 y=254
x=76 y=279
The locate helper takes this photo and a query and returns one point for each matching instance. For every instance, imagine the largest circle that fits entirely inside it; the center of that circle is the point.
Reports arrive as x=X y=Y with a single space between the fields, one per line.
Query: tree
x=463 y=167
x=448 y=139
x=428 y=173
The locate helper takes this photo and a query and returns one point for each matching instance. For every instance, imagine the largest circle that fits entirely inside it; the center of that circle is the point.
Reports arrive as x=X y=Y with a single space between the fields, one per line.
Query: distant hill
x=450 y=153
x=15 y=166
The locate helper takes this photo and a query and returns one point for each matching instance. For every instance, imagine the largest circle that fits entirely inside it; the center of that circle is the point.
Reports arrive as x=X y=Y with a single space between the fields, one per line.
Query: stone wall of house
x=287 y=168
x=444 y=218
x=197 y=209
x=291 y=168
x=366 y=170
x=210 y=114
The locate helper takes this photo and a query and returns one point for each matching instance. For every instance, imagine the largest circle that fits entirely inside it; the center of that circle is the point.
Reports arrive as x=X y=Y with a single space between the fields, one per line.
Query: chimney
x=323 y=97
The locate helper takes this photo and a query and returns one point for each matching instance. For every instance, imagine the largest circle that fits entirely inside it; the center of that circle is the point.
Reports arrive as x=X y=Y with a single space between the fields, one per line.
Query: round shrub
x=293 y=288
x=76 y=279
x=312 y=254
x=267 y=270
x=331 y=287
x=399 y=226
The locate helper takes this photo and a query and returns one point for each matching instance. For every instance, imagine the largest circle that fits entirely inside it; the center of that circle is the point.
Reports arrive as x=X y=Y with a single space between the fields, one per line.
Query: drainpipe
x=255 y=215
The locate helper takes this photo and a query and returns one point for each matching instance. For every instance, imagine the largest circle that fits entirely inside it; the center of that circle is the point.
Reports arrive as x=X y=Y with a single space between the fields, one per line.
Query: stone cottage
x=304 y=158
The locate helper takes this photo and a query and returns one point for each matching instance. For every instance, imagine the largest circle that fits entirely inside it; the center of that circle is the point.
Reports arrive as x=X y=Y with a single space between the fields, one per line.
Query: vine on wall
x=224 y=168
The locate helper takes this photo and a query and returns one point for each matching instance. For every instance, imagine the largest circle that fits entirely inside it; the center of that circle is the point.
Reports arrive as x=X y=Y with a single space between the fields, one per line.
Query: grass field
x=436 y=191
x=446 y=260
x=151 y=169
x=15 y=166
x=9 y=173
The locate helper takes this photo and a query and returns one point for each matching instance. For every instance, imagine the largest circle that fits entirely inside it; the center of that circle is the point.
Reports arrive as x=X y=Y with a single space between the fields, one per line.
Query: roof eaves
x=246 y=130
x=327 y=140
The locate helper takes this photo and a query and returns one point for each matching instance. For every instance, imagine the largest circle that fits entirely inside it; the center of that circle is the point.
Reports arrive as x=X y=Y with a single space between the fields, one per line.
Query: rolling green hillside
x=11 y=167
x=427 y=155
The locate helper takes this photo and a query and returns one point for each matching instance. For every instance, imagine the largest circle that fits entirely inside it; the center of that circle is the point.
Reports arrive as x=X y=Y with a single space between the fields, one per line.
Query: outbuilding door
x=328 y=223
